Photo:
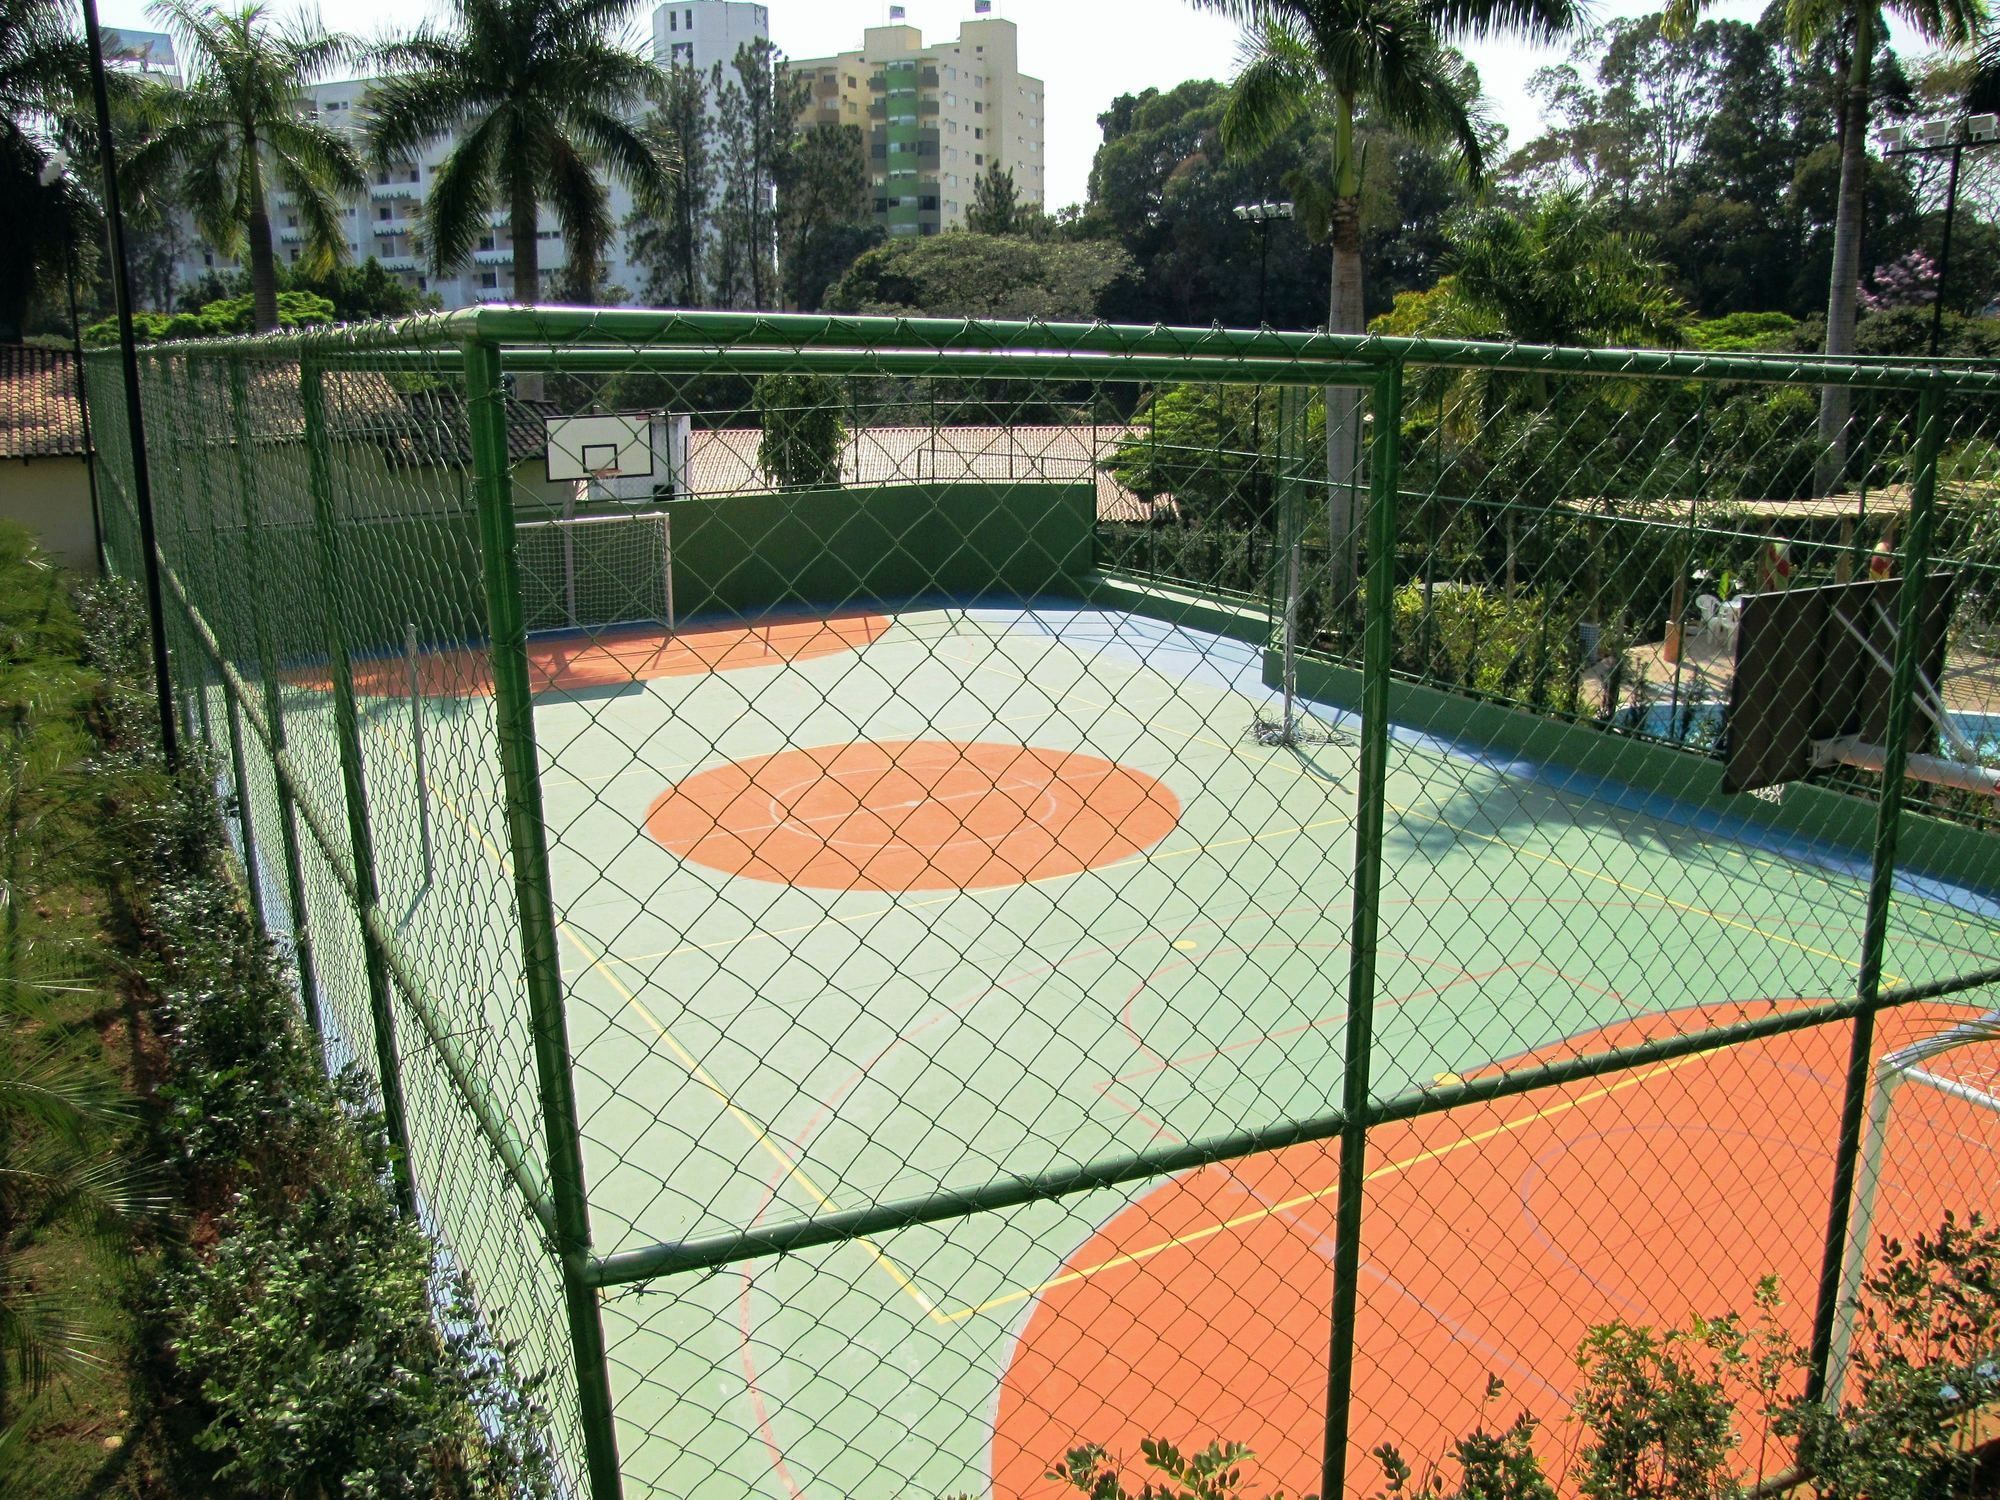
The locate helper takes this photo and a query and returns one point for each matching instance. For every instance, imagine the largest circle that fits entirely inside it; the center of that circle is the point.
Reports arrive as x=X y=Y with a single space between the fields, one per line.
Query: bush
x=803 y=436
x=302 y=1337
x=219 y=319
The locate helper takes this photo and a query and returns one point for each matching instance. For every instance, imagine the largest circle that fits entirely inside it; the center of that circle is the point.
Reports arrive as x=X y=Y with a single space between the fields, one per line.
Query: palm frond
x=461 y=195
x=1278 y=82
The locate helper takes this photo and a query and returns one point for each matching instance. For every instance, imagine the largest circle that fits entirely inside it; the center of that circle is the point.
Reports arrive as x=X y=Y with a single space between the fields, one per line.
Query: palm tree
x=43 y=79
x=240 y=127
x=1854 y=26
x=535 y=90
x=1391 y=59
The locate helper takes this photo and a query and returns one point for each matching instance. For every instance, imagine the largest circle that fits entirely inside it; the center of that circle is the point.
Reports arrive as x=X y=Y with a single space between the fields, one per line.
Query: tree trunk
x=1343 y=411
x=263 y=260
x=1844 y=290
x=522 y=224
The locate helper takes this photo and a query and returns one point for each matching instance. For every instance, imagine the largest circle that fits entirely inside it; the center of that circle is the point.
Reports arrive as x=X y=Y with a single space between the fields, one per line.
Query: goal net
x=1943 y=1088
x=593 y=572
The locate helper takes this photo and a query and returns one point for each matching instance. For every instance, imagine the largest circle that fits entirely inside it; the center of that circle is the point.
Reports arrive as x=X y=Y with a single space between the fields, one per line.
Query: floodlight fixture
x=1984 y=127
x=1936 y=132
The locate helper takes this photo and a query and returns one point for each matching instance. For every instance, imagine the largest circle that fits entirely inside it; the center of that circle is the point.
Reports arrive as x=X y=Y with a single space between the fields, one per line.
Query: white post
x=410 y=651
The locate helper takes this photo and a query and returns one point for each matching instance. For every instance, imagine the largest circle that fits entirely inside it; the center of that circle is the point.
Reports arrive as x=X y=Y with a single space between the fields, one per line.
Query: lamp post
x=1263 y=215
x=1934 y=138
x=135 y=421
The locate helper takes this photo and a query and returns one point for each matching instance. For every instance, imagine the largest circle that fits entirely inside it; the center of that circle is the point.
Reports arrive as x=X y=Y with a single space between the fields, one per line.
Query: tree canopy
x=982 y=276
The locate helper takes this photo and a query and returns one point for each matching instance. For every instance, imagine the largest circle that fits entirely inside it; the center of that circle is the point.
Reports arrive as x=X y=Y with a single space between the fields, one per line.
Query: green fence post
x=347 y=729
x=195 y=428
x=1370 y=798
x=255 y=576
x=1881 y=880
x=520 y=765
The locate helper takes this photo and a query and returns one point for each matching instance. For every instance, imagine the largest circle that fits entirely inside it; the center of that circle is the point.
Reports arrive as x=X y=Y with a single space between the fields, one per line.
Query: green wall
x=745 y=554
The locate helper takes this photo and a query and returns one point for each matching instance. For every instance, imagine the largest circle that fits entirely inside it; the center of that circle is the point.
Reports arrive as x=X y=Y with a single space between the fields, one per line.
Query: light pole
x=1263 y=215
x=1933 y=138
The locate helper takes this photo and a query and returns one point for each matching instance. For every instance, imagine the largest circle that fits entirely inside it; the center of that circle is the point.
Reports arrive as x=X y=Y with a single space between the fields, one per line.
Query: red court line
x=1496 y=1235
x=913 y=815
x=571 y=663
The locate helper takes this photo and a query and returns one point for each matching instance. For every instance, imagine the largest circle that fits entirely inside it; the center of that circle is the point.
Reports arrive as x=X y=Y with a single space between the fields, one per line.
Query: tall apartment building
x=934 y=118
x=383 y=221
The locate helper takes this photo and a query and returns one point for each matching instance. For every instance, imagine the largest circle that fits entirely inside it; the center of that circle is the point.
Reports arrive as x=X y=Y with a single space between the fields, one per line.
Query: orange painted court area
x=617 y=658
x=913 y=815
x=1496 y=1235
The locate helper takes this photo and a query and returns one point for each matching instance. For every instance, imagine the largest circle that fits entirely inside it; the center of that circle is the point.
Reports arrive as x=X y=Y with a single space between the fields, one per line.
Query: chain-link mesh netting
x=921 y=895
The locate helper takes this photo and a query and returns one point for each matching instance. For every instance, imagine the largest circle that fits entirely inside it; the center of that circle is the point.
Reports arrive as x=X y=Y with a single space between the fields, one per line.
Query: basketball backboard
x=615 y=445
x=1812 y=667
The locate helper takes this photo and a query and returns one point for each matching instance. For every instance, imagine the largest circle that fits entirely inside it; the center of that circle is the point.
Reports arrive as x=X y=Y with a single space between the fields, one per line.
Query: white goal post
x=1916 y=1063
x=591 y=572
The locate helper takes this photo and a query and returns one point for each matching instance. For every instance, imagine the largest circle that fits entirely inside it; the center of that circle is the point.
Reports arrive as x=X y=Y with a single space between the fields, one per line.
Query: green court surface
x=750 y=1051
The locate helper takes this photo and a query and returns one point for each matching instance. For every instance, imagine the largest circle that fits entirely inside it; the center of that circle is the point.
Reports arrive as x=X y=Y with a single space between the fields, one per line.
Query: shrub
x=302 y=1337
x=803 y=436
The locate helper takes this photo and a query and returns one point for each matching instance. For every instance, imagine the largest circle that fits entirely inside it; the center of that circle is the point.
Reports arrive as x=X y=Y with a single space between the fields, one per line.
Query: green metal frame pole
x=520 y=765
x=1881 y=881
x=202 y=433
x=254 y=568
x=1371 y=800
x=347 y=729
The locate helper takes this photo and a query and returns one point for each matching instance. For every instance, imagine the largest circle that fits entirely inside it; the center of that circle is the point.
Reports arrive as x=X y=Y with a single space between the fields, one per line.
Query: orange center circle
x=913 y=815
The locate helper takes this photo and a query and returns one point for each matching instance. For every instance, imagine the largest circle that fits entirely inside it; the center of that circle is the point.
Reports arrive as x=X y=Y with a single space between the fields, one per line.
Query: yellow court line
x=756 y=1131
x=1391 y=1169
x=701 y=1075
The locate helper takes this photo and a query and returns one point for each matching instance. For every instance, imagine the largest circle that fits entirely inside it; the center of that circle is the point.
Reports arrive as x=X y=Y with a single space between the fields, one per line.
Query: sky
x=1087 y=52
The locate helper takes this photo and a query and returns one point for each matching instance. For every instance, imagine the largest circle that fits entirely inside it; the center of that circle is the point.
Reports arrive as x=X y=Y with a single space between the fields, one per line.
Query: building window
x=382 y=179
x=486 y=242
x=979 y=161
x=385 y=214
x=415 y=176
x=673 y=20
x=489 y=278
x=684 y=53
x=978 y=134
x=690 y=20
x=423 y=283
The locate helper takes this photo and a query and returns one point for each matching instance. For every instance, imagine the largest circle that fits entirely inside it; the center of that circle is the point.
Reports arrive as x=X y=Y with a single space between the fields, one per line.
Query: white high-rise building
x=383 y=221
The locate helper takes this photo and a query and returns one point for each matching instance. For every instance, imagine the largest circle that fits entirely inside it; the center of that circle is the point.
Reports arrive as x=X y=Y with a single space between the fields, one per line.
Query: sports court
x=859 y=907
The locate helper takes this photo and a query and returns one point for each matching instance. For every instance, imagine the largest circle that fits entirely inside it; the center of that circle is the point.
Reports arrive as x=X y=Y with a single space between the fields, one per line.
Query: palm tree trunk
x=523 y=224
x=263 y=260
x=1847 y=223
x=1343 y=410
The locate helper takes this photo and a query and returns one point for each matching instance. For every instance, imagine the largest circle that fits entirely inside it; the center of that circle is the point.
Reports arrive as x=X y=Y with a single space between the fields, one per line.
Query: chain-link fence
x=919 y=895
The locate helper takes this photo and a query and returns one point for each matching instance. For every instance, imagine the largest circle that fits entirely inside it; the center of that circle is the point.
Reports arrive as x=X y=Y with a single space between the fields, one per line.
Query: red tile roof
x=40 y=416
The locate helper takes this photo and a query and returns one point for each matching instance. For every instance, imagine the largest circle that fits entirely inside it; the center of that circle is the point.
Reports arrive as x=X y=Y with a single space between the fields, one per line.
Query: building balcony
x=397 y=262
x=382 y=190
x=291 y=235
x=393 y=226
x=493 y=257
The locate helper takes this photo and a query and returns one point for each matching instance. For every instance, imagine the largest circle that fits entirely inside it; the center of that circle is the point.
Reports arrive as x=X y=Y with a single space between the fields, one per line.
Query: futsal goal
x=1959 y=1065
x=594 y=572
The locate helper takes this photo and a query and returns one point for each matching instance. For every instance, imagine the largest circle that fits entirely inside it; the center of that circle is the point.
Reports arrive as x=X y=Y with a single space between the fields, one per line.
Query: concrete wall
x=51 y=497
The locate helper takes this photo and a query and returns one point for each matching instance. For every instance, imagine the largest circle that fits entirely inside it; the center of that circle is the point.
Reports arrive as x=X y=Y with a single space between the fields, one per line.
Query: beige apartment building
x=933 y=119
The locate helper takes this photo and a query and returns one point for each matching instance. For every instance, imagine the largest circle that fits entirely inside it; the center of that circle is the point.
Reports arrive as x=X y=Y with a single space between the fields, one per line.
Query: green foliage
x=1492 y=1464
x=1660 y=1420
x=63 y=1118
x=535 y=97
x=803 y=435
x=1926 y=1358
x=982 y=276
x=1742 y=332
x=1210 y=448
x=1526 y=648
x=1215 y=1473
x=996 y=204
x=240 y=129
x=303 y=1339
x=220 y=319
